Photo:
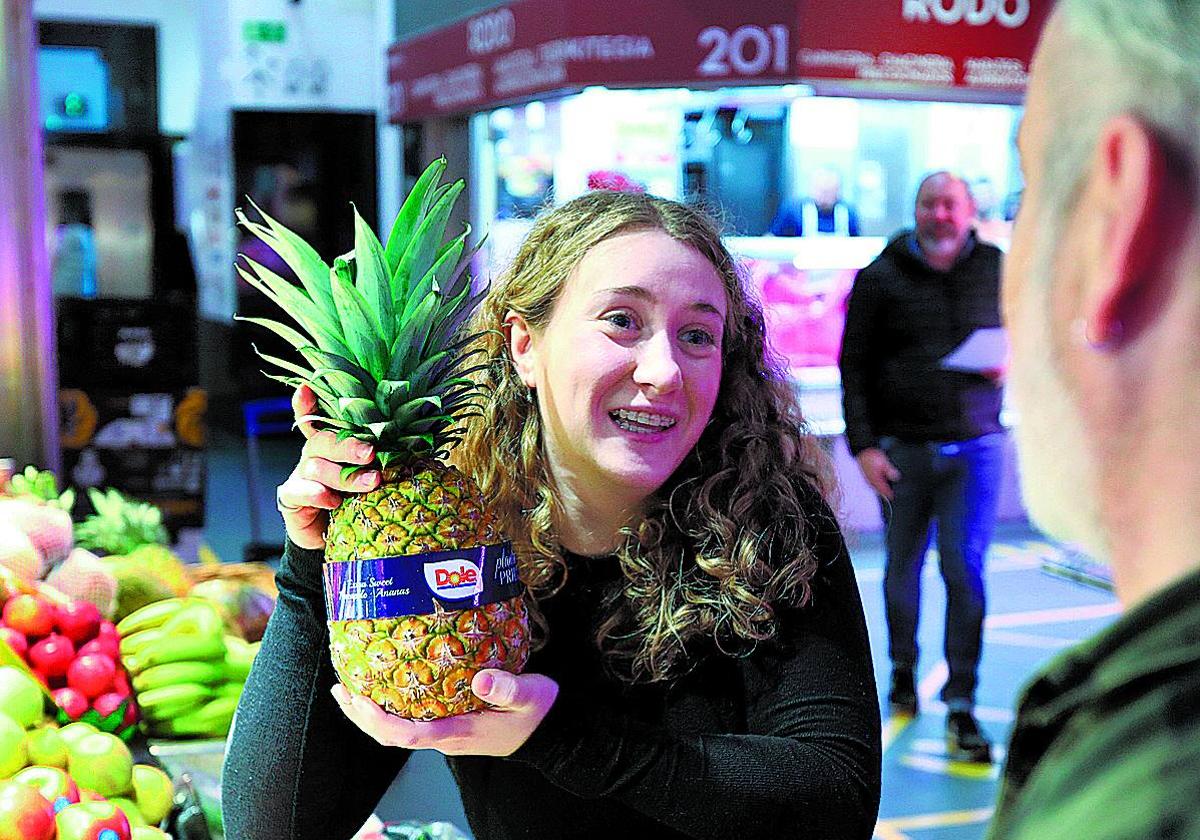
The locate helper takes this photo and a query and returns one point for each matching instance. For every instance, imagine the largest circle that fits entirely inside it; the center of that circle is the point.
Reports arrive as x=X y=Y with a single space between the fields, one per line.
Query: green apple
x=13 y=753
x=153 y=791
x=89 y=820
x=46 y=747
x=51 y=782
x=21 y=697
x=149 y=832
x=130 y=809
x=72 y=732
x=102 y=763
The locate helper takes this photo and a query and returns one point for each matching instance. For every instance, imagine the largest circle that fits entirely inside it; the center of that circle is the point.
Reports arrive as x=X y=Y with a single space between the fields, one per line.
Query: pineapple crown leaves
x=377 y=328
x=43 y=486
x=120 y=525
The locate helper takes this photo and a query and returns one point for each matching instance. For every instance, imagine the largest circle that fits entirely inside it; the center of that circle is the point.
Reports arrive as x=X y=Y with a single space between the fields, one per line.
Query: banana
x=149 y=616
x=151 y=699
x=186 y=671
x=175 y=648
x=134 y=642
x=166 y=711
x=230 y=689
x=239 y=656
x=196 y=617
x=210 y=720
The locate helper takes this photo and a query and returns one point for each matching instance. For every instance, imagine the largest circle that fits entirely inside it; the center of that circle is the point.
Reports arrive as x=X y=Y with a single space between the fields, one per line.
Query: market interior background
x=159 y=119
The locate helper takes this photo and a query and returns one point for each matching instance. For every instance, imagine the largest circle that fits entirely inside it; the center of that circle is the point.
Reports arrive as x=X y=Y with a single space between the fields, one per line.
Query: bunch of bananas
x=187 y=671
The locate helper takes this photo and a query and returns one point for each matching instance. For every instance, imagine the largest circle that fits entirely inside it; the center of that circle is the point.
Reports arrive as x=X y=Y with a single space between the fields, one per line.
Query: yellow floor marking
x=1057 y=615
x=894 y=829
x=946 y=767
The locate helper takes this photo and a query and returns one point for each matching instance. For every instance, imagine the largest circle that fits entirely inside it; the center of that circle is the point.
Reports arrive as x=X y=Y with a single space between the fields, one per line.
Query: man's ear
x=1145 y=209
x=521 y=347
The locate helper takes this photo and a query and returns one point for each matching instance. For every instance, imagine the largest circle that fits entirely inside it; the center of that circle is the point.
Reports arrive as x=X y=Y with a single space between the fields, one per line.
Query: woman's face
x=627 y=370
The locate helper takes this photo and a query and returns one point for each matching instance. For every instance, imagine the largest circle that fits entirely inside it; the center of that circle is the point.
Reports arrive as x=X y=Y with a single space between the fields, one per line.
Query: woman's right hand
x=315 y=486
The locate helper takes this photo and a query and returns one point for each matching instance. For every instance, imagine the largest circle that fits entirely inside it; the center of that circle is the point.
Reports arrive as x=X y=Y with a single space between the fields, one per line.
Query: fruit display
x=187 y=673
x=379 y=333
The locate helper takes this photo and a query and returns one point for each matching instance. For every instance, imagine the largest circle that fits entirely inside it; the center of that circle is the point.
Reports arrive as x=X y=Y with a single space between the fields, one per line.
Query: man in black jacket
x=926 y=433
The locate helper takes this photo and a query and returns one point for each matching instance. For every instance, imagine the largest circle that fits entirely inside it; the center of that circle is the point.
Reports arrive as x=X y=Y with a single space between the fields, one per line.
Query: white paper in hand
x=984 y=349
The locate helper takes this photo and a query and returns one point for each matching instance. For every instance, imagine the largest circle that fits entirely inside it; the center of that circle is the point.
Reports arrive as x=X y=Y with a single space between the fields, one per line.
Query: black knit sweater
x=903 y=317
x=783 y=742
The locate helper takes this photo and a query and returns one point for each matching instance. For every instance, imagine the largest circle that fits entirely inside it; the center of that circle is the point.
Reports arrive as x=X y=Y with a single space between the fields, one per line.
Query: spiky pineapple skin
x=420 y=667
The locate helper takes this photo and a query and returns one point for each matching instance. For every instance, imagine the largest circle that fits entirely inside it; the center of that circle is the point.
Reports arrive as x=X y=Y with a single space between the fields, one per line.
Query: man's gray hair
x=1138 y=57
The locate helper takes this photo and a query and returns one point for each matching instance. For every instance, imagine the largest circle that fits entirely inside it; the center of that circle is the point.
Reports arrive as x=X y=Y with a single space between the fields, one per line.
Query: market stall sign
x=533 y=47
x=978 y=46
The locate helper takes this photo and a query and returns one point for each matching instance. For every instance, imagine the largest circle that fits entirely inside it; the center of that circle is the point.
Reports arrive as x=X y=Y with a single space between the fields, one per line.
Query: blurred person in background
x=927 y=437
x=821 y=213
x=1102 y=295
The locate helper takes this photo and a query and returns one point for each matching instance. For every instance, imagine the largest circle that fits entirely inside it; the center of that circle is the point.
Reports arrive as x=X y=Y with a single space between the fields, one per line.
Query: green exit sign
x=266 y=31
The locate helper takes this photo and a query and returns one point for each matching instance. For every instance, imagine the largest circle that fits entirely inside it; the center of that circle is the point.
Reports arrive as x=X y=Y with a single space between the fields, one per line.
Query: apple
x=21 y=697
x=71 y=701
x=92 y=674
x=29 y=614
x=24 y=813
x=51 y=782
x=76 y=731
x=130 y=809
x=104 y=645
x=13 y=752
x=149 y=832
x=16 y=640
x=102 y=763
x=79 y=621
x=46 y=747
x=92 y=821
x=52 y=655
x=153 y=791
x=121 y=683
x=108 y=702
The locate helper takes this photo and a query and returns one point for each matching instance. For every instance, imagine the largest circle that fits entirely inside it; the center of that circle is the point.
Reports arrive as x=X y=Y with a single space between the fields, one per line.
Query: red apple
x=52 y=655
x=106 y=645
x=15 y=639
x=52 y=783
x=79 y=621
x=24 y=813
x=29 y=614
x=71 y=701
x=121 y=683
x=108 y=702
x=92 y=821
x=107 y=628
x=92 y=674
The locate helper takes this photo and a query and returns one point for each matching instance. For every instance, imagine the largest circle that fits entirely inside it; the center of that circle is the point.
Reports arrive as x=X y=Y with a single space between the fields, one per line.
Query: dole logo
x=453 y=579
x=1008 y=13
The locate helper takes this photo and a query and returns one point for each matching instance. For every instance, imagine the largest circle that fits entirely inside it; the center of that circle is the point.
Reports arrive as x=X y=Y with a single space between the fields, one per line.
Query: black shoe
x=964 y=739
x=903 y=695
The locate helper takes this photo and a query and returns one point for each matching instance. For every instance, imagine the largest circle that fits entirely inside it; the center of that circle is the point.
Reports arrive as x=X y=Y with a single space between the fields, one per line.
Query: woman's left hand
x=519 y=703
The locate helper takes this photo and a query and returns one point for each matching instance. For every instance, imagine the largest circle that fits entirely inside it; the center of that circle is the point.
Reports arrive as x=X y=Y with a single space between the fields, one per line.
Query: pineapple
x=120 y=525
x=387 y=369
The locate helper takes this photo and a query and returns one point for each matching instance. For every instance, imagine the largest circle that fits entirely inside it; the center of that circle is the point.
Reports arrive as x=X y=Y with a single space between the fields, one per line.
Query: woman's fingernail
x=368 y=479
x=337 y=695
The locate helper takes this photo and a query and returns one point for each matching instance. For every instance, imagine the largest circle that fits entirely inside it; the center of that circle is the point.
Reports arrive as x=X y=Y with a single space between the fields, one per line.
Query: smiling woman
x=700 y=664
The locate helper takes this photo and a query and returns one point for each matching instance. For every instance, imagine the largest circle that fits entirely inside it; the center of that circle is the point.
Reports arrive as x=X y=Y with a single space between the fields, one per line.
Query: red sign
x=980 y=45
x=532 y=47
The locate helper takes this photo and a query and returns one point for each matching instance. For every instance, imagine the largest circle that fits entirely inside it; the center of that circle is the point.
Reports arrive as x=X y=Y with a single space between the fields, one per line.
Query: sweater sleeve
x=809 y=766
x=858 y=361
x=295 y=766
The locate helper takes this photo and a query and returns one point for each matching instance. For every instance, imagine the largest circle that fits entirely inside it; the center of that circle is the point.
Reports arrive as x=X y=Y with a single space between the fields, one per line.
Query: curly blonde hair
x=727 y=540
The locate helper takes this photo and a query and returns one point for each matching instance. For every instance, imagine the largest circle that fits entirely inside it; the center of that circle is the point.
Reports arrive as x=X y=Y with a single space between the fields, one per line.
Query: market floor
x=1032 y=615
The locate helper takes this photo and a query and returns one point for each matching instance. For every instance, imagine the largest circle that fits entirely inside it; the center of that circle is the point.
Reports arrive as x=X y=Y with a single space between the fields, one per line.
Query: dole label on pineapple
x=453 y=579
x=415 y=584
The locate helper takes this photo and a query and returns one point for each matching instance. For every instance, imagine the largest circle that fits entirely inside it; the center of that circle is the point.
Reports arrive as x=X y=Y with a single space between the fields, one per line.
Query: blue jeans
x=956 y=485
